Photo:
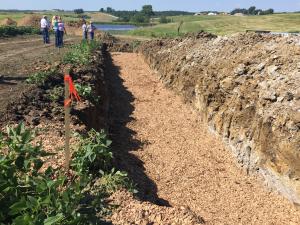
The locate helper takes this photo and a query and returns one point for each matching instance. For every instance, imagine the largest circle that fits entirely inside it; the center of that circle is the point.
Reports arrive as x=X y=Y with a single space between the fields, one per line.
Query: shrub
x=8 y=31
x=80 y=53
x=164 y=19
x=29 y=196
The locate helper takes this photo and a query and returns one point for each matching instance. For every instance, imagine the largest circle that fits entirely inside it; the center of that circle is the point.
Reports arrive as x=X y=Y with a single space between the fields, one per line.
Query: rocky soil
x=247 y=88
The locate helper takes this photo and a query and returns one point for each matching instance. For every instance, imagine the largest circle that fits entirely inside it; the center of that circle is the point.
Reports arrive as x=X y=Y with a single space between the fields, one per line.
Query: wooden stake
x=67 y=125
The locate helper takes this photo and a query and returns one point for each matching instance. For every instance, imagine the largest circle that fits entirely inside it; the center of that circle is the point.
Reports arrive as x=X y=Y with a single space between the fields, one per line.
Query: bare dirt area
x=176 y=161
x=21 y=56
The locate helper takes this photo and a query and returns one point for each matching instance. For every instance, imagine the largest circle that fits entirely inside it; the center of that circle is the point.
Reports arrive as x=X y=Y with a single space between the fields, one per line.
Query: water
x=114 y=27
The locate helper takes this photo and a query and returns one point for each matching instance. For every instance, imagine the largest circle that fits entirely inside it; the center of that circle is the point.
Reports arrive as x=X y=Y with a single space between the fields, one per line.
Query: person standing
x=62 y=31
x=55 y=29
x=84 y=30
x=45 y=29
x=91 y=29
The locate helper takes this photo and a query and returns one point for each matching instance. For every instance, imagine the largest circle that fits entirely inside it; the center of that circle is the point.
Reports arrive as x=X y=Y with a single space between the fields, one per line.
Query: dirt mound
x=75 y=24
x=30 y=20
x=8 y=22
x=246 y=87
x=132 y=211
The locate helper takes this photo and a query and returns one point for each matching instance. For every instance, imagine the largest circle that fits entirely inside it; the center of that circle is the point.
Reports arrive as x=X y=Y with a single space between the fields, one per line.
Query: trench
x=173 y=158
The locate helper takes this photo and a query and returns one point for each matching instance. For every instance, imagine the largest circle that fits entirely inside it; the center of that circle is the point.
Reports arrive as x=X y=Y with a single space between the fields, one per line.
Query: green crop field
x=223 y=24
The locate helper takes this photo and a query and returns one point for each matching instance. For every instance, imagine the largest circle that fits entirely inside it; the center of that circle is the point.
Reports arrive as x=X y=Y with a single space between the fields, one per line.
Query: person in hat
x=45 y=29
x=62 y=31
x=91 y=30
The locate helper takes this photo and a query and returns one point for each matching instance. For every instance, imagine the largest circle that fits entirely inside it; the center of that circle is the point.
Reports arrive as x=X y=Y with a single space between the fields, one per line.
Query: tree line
x=252 y=11
x=142 y=16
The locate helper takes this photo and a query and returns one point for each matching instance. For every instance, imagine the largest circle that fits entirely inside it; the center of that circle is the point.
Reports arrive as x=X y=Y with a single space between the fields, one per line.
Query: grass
x=67 y=16
x=223 y=24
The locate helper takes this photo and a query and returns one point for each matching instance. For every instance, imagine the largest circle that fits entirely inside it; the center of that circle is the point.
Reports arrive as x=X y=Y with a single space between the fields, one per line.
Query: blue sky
x=187 y=5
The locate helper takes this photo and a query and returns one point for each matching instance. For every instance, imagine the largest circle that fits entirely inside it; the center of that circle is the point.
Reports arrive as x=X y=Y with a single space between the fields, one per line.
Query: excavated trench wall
x=247 y=88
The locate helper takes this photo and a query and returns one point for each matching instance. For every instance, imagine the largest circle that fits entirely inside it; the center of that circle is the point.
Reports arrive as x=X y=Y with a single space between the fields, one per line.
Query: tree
x=78 y=11
x=140 y=18
x=109 y=10
x=101 y=10
x=147 y=10
x=251 y=10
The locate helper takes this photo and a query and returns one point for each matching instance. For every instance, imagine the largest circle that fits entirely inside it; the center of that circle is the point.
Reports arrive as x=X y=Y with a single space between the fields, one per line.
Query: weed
x=40 y=78
x=56 y=93
x=115 y=180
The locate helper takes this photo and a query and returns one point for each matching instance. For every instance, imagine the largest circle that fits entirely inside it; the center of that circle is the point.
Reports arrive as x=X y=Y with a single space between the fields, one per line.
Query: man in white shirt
x=45 y=29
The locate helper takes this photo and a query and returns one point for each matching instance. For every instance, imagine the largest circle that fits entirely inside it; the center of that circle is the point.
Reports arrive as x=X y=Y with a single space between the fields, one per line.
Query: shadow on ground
x=123 y=139
x=11 y=80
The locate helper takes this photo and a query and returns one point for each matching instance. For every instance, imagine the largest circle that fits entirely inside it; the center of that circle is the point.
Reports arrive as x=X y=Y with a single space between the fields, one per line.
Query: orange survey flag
x=73 y=91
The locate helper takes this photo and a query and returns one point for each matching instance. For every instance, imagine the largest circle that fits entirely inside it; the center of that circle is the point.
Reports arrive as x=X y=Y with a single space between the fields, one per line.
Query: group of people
x=58 y=27
x=88 y=29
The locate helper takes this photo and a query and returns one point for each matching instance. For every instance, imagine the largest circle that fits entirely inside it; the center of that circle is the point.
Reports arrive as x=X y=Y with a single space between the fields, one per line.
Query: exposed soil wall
x=246 y=87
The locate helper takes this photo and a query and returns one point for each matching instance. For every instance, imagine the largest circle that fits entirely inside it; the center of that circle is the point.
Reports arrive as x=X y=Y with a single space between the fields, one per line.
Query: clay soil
x=176 y=161
x=21 y=56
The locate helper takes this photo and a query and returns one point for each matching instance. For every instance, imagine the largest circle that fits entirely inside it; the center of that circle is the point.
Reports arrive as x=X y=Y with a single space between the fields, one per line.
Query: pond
x=115 y=27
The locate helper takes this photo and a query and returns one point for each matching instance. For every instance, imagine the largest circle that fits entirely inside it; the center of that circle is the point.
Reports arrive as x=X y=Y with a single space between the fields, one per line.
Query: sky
x=185 y=5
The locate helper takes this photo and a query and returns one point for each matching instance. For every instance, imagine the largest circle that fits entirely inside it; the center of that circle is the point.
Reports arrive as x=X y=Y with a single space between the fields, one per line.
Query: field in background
x=223 y=24
x=67 y=16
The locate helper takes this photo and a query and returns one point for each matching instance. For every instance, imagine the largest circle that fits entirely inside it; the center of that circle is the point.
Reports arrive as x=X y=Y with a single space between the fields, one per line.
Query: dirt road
x=19 y=57
x=174 y=158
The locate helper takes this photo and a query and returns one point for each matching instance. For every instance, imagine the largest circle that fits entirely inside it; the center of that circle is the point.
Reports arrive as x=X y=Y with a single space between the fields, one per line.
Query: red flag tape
x=72 y=89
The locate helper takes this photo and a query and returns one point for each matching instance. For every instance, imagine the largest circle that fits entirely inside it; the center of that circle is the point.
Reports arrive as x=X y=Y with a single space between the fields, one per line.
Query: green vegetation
x=223 y=24
x=56 y=93
x=252 y=11
x=86 y=92
x=9 y=31
x=78 y=11
x=66 y=15
x=31 y=194
x=40 y=78
x=80 y=53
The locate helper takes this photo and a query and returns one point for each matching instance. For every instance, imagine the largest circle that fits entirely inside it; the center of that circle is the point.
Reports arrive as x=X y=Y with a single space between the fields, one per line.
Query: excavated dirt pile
x=247 y=88
x=8 y=22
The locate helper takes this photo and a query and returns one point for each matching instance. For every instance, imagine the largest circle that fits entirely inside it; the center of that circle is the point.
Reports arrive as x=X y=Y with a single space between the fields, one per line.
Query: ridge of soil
x=176 y=161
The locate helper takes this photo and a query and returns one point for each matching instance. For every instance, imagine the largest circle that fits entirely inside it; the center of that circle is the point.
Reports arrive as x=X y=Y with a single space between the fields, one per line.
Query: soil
x=176 y=161
x=246 y=88
x=20 y=57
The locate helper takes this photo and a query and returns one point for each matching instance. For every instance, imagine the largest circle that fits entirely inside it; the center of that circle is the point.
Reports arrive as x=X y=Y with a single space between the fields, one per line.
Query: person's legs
x=57 y=38
x=44 y=35
x=61 y=44
x=85 y=35
x=92 y=36
x=47 y=36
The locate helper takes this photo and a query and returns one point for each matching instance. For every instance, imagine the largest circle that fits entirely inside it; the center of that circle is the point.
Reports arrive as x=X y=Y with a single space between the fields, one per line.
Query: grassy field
x=67 y=16
x=224 y=24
